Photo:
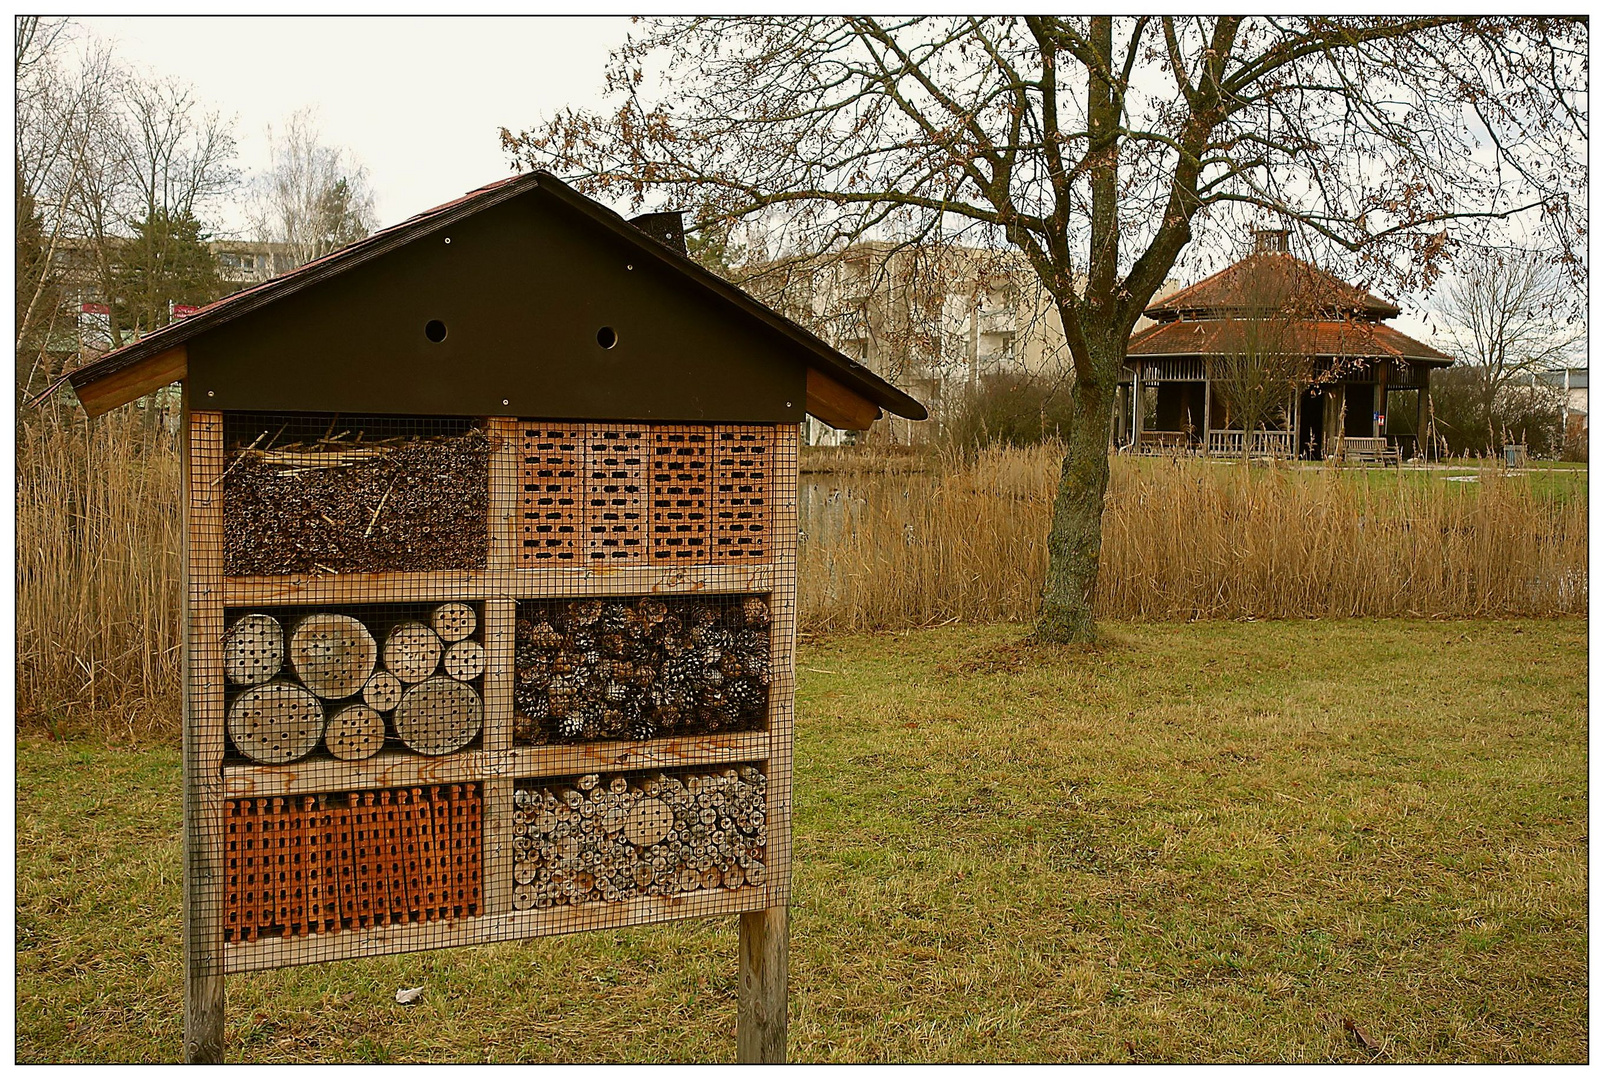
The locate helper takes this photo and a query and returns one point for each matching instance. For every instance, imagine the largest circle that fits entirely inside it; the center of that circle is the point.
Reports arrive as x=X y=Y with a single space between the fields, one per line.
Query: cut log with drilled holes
x=412 y=652
x=465 y=661
x=354 y=732
x=253 y=650
x=382 y=691
x=275 y=723
x=332 y=655
x=453 y=622
x=648 y=822
x=439 y=716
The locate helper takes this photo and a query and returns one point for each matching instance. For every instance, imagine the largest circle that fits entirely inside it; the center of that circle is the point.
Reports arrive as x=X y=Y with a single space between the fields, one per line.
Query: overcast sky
x=418 y=100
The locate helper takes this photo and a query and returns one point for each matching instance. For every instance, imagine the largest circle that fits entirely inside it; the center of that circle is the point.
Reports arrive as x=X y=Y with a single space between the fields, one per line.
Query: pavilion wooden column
x=1208 y=406
x=1423 y=413
x=1378 y=422
x=1136 y=408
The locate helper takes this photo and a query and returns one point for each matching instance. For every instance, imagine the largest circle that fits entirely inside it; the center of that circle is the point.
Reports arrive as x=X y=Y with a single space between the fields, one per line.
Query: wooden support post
x=204 y=871
x=761 y=1008
x=500 y=619
x=1208 y=406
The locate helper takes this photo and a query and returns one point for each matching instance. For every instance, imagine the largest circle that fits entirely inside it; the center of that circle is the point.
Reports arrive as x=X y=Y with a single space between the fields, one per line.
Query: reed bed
x=99 y=562
x=1185 y=539
x=943 y=539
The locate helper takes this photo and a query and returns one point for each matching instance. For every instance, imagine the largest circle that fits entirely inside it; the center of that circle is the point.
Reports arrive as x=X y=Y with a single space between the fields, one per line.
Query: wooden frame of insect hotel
x=491 y=593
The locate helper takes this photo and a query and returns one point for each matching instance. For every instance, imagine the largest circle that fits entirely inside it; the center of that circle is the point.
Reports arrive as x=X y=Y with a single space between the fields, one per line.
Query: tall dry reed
x=1186 y=539
x=99 y=534
x=99 y=527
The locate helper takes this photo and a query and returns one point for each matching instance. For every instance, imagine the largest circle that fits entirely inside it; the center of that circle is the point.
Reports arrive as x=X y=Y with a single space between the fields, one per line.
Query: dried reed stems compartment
x=329 y=494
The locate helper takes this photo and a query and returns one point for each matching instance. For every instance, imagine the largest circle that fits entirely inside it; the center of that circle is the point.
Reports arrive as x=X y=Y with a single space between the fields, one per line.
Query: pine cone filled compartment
x=640 y=668
x=612 y=837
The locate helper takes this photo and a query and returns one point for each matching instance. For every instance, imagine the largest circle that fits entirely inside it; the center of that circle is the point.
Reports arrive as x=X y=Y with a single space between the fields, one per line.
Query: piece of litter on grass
x=408 y=996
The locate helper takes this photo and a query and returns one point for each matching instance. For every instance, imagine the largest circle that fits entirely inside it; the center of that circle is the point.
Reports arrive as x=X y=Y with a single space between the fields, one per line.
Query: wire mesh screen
x=608 y=838
x=470 y=680
x=638 y=668
x=335 y=494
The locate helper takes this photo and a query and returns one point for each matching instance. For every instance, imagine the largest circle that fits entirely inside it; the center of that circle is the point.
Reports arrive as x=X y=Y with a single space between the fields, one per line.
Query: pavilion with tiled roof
x=1355 y=362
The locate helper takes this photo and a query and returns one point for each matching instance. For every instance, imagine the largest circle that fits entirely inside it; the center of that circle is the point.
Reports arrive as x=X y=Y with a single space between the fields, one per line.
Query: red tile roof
x=1357 y=338
x=1272 y=281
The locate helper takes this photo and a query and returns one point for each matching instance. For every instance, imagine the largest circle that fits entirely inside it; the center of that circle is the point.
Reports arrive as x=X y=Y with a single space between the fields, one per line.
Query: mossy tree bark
x=1075 y=544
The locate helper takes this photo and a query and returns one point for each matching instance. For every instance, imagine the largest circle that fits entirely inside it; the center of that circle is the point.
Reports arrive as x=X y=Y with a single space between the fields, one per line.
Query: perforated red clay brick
x=681 y=493
x=743 y=457
x=551 y=478
x=395 y=875
x=318 y=864
x=234 y=814
x=616 y=466
x=428 y=857
x=473 y=807
x=322 y=889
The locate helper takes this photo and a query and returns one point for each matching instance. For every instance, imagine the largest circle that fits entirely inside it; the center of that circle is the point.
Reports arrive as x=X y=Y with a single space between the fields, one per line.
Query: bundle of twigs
x=344 y=504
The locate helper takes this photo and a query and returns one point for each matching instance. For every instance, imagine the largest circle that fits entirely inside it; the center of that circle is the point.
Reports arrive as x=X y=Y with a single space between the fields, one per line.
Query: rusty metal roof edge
x=850 y=373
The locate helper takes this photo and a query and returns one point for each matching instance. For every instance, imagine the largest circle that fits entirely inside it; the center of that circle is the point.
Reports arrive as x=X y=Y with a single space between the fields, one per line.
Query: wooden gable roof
x=550 y=304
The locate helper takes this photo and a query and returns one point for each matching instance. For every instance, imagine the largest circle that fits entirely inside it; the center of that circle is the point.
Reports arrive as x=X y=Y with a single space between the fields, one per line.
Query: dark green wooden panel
x=523 y=290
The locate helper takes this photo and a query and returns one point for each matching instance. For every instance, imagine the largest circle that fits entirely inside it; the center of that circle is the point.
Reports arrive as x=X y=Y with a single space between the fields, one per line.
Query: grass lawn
x=1193 y=842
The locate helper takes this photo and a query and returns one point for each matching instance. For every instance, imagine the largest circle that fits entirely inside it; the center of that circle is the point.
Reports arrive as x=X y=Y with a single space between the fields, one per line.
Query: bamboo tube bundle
x=623 y=837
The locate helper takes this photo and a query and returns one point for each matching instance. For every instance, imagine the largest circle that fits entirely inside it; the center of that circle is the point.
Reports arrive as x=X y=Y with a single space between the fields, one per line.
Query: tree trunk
x=1076 y=540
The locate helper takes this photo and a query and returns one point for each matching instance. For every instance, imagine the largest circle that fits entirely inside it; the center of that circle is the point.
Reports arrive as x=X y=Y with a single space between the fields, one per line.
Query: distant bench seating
x=1369 y=451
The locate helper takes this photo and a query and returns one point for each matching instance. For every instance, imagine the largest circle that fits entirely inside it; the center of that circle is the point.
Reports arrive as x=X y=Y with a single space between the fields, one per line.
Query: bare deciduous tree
x=101 y=150
x=313 y=197
x=1100 y=148
x=1505 y=315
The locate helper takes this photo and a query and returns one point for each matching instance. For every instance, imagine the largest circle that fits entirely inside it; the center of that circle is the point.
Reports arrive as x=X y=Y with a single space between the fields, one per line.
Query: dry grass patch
x=1192 y=842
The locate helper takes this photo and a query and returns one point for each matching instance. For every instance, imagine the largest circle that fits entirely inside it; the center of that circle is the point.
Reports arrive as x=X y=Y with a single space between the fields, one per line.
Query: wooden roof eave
x=827 y=399
x=850 y=396
x=100 y=395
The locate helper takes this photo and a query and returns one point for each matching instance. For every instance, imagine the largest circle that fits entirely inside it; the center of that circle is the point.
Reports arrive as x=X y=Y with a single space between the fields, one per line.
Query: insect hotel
x=491 y=593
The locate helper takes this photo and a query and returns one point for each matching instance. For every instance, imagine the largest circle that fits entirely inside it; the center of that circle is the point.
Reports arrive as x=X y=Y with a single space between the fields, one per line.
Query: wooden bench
x=1369 y=451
